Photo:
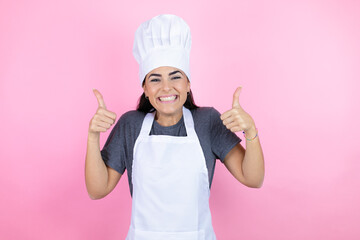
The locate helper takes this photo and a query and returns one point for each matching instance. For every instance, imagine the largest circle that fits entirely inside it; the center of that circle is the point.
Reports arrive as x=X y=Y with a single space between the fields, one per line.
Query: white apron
x=170 y=186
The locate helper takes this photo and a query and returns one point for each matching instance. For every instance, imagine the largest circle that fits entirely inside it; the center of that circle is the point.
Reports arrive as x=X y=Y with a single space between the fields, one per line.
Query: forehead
x=165 y=70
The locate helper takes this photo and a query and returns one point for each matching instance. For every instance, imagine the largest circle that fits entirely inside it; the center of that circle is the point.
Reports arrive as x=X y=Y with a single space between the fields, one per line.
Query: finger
x=105 y=119
x=228 y=120
x=236 y=96
x=226 y=114
x=99 y=98
x=94 y=127
x=107 y=113
x=232 y=125
x=100 y=129
x=103 y=124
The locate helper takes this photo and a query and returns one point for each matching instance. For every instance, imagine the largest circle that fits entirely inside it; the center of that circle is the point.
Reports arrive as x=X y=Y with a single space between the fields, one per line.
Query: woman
x=169 y=145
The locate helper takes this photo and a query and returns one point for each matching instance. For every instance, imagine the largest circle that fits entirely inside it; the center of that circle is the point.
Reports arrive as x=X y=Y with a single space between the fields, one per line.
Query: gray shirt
x=215 y=139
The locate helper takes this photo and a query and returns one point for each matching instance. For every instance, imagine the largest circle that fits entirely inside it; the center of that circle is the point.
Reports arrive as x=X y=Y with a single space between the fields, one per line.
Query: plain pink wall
x=298 y=63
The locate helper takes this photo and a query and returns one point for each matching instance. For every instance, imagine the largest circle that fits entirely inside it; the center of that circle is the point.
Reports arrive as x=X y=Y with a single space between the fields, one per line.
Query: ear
x=144 y=88
x=188 y=86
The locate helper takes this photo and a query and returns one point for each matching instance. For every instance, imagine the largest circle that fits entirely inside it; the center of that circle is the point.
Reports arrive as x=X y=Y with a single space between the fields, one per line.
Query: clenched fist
x=103 y=119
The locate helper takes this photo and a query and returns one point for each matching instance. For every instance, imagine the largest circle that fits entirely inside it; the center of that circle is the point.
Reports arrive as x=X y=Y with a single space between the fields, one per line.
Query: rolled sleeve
x=222 y=139
x=112 y=152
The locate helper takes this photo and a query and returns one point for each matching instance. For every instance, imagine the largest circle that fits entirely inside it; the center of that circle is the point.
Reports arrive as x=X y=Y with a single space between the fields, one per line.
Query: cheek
x=187 y=86
x=149 y=91
x=184 y=94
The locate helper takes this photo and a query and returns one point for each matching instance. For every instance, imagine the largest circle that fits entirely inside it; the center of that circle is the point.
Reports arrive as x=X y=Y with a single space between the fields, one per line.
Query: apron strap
x=147 y=124
x=189 y=123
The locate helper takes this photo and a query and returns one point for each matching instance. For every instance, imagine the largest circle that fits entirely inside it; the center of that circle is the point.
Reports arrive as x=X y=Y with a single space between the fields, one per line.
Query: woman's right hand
x=103 y=119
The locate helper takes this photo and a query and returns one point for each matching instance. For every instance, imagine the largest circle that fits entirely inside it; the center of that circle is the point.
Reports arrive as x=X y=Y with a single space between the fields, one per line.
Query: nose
x=166 y=86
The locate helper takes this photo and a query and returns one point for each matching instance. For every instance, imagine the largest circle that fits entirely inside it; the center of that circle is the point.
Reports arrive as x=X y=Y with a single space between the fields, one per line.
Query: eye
x=154 y=80
x=177 y=77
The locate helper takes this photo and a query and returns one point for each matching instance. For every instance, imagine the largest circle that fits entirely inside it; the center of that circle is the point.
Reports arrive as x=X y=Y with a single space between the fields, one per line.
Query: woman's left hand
x=236 y=119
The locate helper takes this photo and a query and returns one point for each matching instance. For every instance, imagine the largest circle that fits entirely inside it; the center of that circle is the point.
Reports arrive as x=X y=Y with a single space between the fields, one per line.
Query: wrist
x=251 y=133
x=93 y=136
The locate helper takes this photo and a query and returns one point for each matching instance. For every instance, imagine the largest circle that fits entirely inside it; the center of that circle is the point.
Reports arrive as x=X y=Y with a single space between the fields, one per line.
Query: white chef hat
x=164 y=40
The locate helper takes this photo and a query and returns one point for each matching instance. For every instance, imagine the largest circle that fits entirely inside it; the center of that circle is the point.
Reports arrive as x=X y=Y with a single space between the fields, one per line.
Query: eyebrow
x=159 y=75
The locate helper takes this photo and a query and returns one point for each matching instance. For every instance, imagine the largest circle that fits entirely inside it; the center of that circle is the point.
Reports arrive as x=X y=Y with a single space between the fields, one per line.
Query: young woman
x=169 y=145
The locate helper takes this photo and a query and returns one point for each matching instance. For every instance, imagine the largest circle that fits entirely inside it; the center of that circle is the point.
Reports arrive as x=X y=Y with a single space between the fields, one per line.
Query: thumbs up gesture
x=236 y=119
x=103 y=119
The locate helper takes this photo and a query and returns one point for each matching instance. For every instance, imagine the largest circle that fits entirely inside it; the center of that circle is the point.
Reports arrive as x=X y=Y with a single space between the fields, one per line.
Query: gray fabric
x=215 y=139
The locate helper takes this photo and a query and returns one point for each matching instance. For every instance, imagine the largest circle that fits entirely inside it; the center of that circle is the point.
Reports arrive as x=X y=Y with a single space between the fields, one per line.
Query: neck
x=168 y=120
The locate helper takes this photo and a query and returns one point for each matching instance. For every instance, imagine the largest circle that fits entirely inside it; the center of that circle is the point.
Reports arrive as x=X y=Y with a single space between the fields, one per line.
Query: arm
x=100 y=180
x=247 y=166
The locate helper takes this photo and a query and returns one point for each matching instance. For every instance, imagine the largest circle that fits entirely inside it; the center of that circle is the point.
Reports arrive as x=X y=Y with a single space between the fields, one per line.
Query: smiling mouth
x=168 y=98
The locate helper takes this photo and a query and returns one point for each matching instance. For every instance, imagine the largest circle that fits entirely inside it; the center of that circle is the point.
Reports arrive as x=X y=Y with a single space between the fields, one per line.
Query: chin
x=168 y=111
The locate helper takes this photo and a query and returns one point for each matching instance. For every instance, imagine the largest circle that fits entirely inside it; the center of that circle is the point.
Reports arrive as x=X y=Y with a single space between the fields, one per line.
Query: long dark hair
x=145 y=106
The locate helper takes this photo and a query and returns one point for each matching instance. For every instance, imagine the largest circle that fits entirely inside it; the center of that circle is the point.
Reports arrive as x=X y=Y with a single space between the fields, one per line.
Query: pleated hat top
x=164 y=40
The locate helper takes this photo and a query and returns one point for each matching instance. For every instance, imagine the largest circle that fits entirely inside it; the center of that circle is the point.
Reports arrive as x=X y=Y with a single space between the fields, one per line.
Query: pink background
x=298 y=63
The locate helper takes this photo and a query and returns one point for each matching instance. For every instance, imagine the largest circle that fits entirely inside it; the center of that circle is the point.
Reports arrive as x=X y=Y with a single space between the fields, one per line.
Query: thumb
x=236 y=96
x=99 y=98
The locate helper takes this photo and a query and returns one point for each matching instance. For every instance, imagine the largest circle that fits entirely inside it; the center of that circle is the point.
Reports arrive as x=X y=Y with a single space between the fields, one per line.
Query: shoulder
x=132 y=117
x=204 y=110
x=131 y=120
x=205 y=113
x=205 y=118
x=129 y=124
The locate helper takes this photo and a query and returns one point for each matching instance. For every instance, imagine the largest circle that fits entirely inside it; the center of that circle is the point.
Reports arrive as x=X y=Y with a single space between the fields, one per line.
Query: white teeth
x=165 y=99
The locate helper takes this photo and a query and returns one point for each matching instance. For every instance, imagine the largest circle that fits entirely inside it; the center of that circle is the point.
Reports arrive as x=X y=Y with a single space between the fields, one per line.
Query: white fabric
x=164 y=40
x=170 y=186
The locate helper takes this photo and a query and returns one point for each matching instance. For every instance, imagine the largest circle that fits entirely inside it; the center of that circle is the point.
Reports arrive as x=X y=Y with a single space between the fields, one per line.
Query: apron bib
x=170 y=186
